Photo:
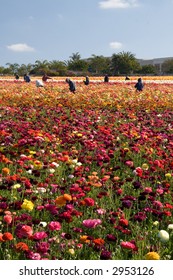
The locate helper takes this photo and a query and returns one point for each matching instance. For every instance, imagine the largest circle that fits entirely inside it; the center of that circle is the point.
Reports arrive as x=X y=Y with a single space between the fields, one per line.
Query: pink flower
x=42 y=247
x=157 y=204
x=101 y=211
x=128 y=245
x=54 y=226
x=91 y=223
x=39 y=235
x=34 y=256
x=8 y=219
x=23 y=231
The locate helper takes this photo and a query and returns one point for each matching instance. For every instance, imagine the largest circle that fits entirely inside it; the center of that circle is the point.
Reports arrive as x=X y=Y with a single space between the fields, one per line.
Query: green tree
x=12 y=68
x=58 y=67
x=147 y=69
x=167 y=66
x=76 y=63
x=40 y=67
x=124 y=63
x=99 y=64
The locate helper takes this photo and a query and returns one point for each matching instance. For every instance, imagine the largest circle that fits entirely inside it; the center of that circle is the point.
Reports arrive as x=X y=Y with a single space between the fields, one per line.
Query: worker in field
x=106 y=78
x=45 y=77
x=27 y=78
x=87 y=81
x=72 y=86
x=139 y=85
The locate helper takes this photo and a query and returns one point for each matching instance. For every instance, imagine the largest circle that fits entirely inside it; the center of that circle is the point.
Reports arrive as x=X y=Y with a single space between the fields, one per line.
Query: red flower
x=89 y=201
x=123 y=222
x=128 y=245
x=7 y=236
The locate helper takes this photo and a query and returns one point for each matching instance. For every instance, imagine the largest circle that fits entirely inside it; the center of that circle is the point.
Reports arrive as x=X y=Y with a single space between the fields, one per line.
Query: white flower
x=170 y=226
x=51 y=170
x=43 y=224
x=29 y=171
x=55 y=164
x=163 y=235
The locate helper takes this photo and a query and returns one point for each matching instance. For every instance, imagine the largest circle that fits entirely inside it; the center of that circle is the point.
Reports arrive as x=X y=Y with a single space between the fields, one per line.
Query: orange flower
x=7 y=236
x=84 y=239
x=6 y=160
x=5 y=171
x=60 y=201
x=99 y=241
x=21 y=246
x=67 y=197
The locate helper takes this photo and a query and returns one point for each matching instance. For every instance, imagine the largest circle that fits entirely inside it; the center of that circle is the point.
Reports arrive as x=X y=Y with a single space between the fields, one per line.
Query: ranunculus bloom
x=89 y=201
x=128 y=245
x=60 y=201
x=157 y=204
x=33 y=256
x=21 y=246
x=91 y=223
x=7 y=236
x=54 y=225
x=39 y=235
x=5 y=171
x=123 y=222
x=8 y=219
x=170 y=226
x=163 y=235
x=27 y=205
x=42 y=247
x=23 y=231
x=152 y=256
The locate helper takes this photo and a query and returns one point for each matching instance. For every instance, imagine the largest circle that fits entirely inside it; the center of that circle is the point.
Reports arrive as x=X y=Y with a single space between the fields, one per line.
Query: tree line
x=122 y=63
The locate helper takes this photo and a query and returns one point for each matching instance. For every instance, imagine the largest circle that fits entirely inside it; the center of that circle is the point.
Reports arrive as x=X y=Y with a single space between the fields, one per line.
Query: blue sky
x=55 y=29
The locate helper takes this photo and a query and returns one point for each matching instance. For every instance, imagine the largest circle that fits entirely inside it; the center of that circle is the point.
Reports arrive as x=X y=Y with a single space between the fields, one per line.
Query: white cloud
x=115 y=45
x=20 y=48
x=115 y=4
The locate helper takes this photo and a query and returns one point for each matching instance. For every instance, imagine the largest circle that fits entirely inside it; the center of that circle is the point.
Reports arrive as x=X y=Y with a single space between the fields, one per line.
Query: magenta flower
x=42 y=247
x=91 y=223
x=128 y=245
x=54 y=225
x=39 y=235
x=33 y=256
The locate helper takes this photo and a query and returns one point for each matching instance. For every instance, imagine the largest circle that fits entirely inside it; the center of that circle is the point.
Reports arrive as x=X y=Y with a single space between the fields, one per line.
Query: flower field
x=86 y=176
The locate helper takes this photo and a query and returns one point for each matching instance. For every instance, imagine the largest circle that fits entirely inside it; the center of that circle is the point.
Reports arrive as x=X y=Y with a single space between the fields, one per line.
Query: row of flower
x=86 y=175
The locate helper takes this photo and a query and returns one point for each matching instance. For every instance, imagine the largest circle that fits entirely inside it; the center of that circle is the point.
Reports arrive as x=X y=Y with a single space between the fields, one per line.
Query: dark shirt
x=86 y=82
x=27 y=79
x=139 y=86
x=72 y=86
x=106 y=79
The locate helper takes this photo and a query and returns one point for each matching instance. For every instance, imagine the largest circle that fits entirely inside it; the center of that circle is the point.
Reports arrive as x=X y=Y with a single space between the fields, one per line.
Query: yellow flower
x=71 y=251
x=38 y=164
x=16 y=186
x=152 y=256
x=168 y=175
x=145 y=166
x=27 y=205
x=32 y=152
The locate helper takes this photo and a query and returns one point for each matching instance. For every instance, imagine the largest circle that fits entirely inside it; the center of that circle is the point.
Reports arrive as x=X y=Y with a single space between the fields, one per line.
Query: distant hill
x=154 y=61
